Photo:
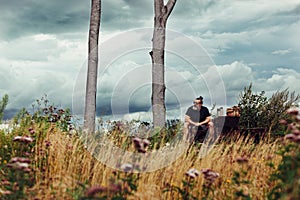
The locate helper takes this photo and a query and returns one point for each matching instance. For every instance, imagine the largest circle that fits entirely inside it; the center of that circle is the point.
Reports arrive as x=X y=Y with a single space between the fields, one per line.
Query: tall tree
x=92 y=72
x=162 y=12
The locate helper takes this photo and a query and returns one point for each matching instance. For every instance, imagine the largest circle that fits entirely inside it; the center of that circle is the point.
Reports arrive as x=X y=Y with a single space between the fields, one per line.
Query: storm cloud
x=43 y=50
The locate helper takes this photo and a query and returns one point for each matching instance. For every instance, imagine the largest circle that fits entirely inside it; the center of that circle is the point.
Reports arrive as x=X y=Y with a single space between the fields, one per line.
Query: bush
x=252 y=106
x=3 y=104
x=259 y=111
x=287 y=175
x=43 y=111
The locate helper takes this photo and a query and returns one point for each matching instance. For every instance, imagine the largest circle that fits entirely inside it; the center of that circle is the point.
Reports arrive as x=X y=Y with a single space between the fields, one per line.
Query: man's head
x=198 y=101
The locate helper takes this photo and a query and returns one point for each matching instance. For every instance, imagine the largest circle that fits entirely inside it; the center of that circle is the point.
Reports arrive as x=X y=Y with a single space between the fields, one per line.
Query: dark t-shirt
x=196 y=115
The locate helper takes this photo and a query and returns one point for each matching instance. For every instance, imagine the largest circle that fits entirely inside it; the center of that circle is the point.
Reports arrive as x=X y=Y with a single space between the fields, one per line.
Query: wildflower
x=242 y=160
x=5 y=192
x=292 y=126
x=45 y=110
x=126 y=167
x=55 y=117
x=47 y=143
x=290 y=136
x=192 y=173
x=140 y=144
x=31 y=131
x=115 y=187
x=297 y=139
x=210 y=175
x=269 y=157
x=24 y=139
x=27 y=170
x=94 y=190
x=26 y=154
x=228 y=181
x=137 y=142
x=146 y=143
x=296 y=132
x=61 y=111
x=293 y=111
x=18 y=165
x=20 y=160
x=283 y=122
x=5 y=182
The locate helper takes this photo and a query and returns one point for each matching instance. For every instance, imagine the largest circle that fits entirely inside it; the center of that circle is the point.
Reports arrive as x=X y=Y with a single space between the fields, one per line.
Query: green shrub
x=259 y=111
x=3 y=104
x=252 y=106
x=287 y=176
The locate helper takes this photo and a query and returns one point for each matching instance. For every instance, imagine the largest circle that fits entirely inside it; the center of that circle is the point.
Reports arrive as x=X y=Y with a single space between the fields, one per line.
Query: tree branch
x=169 y=7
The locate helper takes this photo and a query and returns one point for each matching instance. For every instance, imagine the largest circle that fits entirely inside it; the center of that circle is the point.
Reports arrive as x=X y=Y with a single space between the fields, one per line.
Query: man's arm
x=188 y=120
x=206 y=121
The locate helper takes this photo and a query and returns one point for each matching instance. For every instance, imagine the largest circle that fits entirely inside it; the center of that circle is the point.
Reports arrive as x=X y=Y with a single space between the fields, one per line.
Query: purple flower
x=140 y=144
x=297 y=139
x=20 y=160
x=115 y=187
x=126 y=167
x=296 y=132
x=137 y=142
x=210 y=175
x=192 y=173
x=18 y=165
x=5 y=182
x=31 y=131
x=290 y=136
x=242 y=160
x=61 y=111
x=47 y=143
x=94 y=190
x=25 y=139
x=283 y=122
x=293 y=111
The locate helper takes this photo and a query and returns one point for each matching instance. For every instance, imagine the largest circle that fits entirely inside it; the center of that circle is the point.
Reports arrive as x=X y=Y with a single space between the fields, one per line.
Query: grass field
x=61 y=167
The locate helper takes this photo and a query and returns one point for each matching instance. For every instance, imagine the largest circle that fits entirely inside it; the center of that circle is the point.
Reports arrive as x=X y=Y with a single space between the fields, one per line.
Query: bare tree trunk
x=162 y=12
x=91 y=85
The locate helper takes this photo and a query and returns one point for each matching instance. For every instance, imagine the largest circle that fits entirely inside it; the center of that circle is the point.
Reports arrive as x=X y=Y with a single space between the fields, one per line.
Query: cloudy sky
x=214 y=48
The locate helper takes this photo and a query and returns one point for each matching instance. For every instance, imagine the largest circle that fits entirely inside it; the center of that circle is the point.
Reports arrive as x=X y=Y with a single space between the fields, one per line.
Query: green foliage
x=276 y=109
x=16 y=166
x=43 y=111
x=251 y=106
x=185 y=191
x=287 y=176
x=240 y=182
x=23 y=155
x=122 y=185
x=259 y=111
x=3 y=105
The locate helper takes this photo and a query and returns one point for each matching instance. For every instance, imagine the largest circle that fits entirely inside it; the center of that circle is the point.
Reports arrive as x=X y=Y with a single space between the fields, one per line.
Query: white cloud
x=32 y=66
x=247 y=42
x=281 y=79
x=282 y=52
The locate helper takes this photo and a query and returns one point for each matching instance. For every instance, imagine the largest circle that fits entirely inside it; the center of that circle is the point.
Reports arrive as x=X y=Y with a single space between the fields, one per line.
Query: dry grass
x=69 y=164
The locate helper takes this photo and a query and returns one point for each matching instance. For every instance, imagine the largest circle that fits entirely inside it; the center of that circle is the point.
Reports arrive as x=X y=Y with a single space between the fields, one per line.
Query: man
x=197 y=121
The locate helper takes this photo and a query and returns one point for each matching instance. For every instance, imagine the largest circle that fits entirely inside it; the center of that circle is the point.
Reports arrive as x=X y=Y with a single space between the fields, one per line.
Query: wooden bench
x=230 y=124
x=226 y=124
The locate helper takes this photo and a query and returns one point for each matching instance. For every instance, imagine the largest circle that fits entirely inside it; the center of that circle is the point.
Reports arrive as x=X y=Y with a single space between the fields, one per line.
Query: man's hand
x=198 y=124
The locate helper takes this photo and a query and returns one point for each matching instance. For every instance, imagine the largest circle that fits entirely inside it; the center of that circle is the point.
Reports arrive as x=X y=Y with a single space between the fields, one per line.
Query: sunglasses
x=198 y=103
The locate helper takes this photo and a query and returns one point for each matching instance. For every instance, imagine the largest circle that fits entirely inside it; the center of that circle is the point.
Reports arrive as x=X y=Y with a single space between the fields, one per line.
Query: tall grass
x=71 y=169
